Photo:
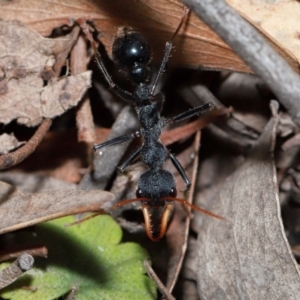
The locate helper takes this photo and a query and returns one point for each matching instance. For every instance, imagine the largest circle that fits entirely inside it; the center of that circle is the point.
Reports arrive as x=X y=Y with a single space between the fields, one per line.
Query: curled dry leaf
x=24 y=55
x=8 y=142
x=18 y=210
x=248 y=256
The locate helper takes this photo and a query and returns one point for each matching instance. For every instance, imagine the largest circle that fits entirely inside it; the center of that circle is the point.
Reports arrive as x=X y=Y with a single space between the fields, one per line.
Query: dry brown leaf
x=24 y=55
x=277 y=19
x=156 y=18
x=8 y=142
x=248 y=256
x=18 y=210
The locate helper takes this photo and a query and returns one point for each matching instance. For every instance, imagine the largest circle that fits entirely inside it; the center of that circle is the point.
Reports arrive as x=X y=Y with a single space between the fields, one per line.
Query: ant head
x=157 y=193
x=155 y=185
x=132 y=52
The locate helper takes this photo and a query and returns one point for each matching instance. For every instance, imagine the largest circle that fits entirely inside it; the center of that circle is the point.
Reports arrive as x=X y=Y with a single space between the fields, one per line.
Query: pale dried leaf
x=18 y=210
x=247 y=256
x=8 y=142
x=64 y=94
x=275 y=18
x=24 y=55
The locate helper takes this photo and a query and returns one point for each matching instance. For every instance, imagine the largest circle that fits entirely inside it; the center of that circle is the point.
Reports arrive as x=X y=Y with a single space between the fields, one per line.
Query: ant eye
x=139 y=193
x=173 y=193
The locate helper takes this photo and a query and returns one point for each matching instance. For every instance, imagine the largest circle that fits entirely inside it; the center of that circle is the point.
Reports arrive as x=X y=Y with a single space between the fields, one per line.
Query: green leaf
x=87 y=257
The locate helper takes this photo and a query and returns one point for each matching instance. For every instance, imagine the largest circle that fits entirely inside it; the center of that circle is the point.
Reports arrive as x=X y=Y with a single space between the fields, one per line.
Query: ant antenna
x=194 y=207
x=125 y=202
x=168 y=49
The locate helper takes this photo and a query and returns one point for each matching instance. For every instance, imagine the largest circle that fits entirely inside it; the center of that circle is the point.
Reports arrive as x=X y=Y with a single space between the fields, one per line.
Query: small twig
x=16 y=269
x=157 y=281
x=253 y=49
x=10 y=159
x=84 y=117
x=38 y=251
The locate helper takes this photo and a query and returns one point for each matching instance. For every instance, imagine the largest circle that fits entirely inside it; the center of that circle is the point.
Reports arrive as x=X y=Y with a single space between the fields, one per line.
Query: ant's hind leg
x=134 y=155
x=200 y=110
x=180 y=170
x=117 y=140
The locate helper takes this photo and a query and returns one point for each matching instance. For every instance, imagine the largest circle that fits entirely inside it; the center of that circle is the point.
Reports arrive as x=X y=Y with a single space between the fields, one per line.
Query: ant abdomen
x=132 y=52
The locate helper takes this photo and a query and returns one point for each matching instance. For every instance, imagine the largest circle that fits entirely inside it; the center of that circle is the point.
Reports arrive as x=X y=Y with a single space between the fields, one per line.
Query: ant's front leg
x=168 y=48
x=126 y=96
x=117 y=140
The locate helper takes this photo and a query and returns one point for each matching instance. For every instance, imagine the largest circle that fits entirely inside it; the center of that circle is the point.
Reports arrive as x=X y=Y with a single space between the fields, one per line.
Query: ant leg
x=180 y=170
x=203 y=109
x=126 y=96
x=168 y=49
x=117 y=140
x=134 y=155
x=120 y=92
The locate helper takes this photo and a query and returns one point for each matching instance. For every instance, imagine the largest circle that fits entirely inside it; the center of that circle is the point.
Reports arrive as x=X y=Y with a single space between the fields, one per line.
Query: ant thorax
x=142 y=94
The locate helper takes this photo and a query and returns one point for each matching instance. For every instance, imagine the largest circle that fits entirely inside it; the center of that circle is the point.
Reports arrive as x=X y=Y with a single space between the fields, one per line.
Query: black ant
x=156 y=188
